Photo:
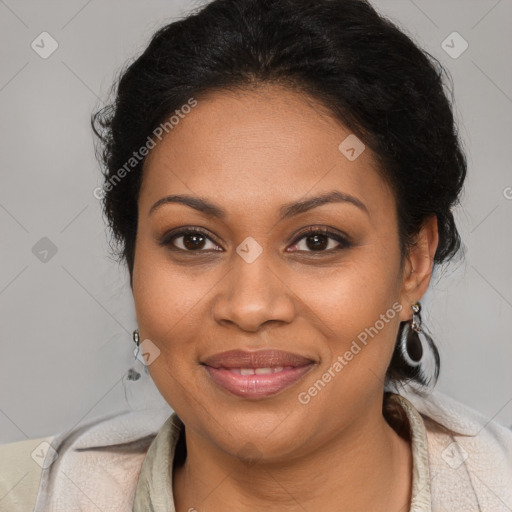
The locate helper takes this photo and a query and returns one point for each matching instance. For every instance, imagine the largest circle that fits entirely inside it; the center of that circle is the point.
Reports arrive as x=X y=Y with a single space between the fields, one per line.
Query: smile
x=255 y=375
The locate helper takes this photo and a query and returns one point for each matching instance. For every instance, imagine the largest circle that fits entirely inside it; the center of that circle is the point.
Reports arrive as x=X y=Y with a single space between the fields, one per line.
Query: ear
x=418 y=266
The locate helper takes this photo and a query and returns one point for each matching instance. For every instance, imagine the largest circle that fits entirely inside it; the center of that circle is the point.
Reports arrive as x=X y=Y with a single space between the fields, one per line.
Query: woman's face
x=254 y=280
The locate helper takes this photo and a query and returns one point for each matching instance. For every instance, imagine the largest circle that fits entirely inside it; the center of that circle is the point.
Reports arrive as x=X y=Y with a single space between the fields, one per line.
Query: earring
x=410 y=343
x=418 y=349
x=136 y=337
x=137 y=350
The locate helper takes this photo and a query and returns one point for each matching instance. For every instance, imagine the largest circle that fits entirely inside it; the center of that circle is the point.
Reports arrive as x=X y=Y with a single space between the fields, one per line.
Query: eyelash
x=168 y=239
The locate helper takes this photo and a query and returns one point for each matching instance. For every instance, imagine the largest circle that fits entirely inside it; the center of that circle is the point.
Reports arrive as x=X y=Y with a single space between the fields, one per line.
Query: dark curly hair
x=359 y=65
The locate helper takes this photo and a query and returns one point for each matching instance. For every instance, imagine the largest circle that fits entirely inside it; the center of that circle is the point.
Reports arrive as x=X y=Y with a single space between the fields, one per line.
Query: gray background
x=67 y=322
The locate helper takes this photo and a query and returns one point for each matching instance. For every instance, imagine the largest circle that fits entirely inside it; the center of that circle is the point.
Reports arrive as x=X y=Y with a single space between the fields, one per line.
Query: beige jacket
x=98 y=466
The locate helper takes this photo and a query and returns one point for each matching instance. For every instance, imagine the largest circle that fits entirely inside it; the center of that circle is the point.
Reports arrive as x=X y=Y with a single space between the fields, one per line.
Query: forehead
x=257 y=148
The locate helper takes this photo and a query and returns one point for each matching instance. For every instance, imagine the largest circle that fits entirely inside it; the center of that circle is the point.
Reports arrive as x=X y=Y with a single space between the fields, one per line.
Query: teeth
x=259 y=371
x=262 y=371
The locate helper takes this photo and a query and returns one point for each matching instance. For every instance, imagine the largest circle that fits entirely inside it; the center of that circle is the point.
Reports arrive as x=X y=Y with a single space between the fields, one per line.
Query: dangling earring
x=418 y=349
x=410 y=344
x=137 y=349
x=136 y=337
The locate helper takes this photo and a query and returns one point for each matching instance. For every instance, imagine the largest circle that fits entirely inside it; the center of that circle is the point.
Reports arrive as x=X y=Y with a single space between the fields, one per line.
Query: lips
x=258 y=374
x=259 y=359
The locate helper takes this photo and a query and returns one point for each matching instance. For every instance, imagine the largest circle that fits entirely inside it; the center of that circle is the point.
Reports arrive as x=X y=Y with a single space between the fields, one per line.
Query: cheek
x=164 y=304
x=164 y=294
x=357 y=307
x=171 y=304
x=158 y=304
x=360 y=305
x=354 y=294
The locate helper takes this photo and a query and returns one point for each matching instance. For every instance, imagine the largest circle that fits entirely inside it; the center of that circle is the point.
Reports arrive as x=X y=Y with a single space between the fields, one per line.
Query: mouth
x=255 y=375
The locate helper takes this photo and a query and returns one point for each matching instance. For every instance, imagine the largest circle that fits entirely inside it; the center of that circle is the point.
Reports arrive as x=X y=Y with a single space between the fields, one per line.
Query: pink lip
x=225 y=368
x=257 y=359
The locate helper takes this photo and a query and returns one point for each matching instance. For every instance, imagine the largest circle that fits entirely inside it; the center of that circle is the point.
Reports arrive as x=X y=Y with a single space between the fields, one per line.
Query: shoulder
x=470 y=455
x=444 y=414
x=21 y=466
x=95 y=463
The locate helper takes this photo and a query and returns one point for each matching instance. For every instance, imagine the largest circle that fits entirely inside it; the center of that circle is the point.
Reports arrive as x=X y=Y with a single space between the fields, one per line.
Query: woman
x=280 y=177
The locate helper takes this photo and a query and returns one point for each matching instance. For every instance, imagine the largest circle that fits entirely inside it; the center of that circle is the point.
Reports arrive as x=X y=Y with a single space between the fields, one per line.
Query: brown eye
x=190 y=240
x=320 y=240
x=194 y=241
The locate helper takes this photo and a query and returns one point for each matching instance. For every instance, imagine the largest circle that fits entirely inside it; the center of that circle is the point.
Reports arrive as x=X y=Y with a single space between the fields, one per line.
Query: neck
x=365 y=467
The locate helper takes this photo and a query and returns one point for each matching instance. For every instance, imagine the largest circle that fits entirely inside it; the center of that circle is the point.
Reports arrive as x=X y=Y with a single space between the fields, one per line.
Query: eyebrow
x=286 y=210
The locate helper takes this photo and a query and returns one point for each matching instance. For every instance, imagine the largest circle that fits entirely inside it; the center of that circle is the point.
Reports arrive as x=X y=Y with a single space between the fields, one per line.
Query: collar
x=154 y=487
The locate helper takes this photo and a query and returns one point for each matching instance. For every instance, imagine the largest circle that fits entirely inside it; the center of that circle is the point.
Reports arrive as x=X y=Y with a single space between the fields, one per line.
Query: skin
x=250 y=152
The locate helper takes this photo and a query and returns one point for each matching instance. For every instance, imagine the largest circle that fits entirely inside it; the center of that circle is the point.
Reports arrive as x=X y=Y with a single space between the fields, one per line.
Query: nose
x=252 y=295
